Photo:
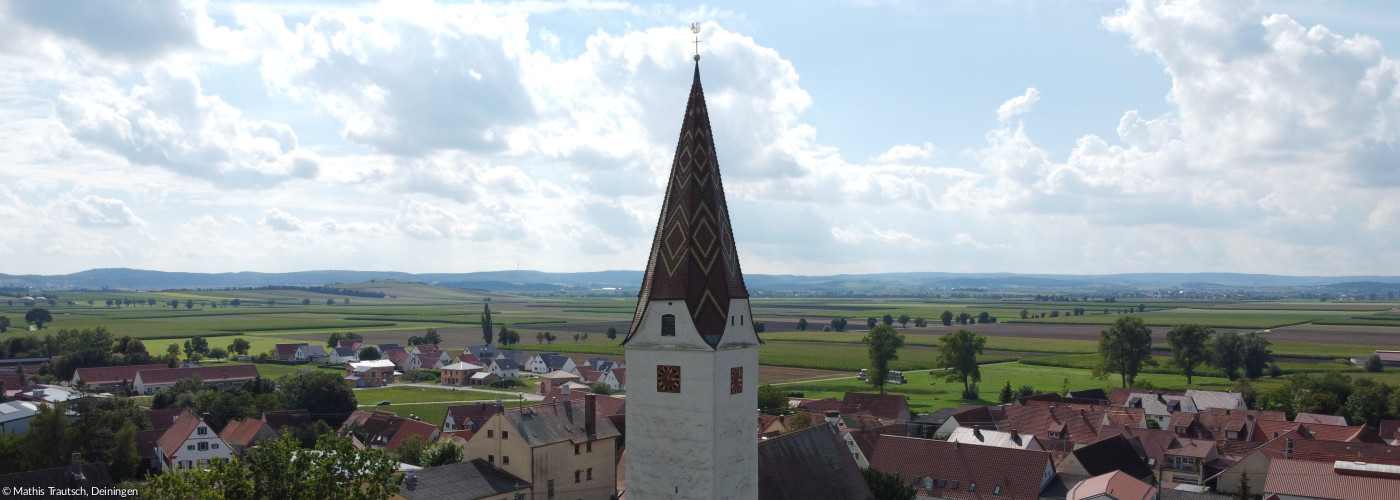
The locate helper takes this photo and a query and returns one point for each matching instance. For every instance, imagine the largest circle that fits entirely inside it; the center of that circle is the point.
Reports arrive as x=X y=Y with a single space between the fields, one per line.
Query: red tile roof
x=1265 y=430
x=206 y=373
x=1315 y=418
x=476 y=413
x=1115 y=484
x=429 y=360
x=609 y=406
x=470 y=358
x=1301 y=478
x=589 y=374
x=163 y=419
x=1325 y=451
x=955 y=468
x=1390 y=429
x=242 y=431
x=411 y=427
x=179 y=431
x=1076 y=423
x=886 y=406
x=288 y=351
x=620 y=374
x=112 y=374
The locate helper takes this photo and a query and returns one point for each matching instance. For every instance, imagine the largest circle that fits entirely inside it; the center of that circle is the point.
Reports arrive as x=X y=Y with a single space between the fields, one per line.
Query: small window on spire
x=668 y=325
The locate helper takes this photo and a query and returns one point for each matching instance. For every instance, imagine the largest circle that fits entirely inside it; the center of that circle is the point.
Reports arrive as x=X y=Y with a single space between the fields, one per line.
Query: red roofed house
x=1339 y=479
x=458 y=373
x=616 y=379
x=410 y=427
x=942 y=469
x=469 y=417
x=288 y=352
x=1389 y=358
x=554 y=379
x=1390 y=431
x=242 y=433
x=399 y=357
x=189 y=444
x=1316 y=418
x=428 y=360
x=1297 y=445
x=1115 y=485
x=108 y=378
x=147 y=382
x=1266 y=430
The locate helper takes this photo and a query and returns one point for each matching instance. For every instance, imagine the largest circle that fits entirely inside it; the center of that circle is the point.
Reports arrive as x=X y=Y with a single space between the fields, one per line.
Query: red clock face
x=668 y=378
x=736 y=380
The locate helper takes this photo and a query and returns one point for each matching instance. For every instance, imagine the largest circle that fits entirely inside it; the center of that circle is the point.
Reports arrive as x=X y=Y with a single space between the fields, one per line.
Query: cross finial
x=695 y=28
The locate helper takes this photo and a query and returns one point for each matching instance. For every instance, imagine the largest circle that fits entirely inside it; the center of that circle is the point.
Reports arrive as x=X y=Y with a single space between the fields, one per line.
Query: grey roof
x=520 y=357
x=17 y=410
x=810 y=463
x=937 y=417
x=554 y=361
x=1217 y=399
x=505 y=364
x=482 y=352
x=387 y=347
x=468 y=480
x=314 y=351
x=1161 y=404
x=560 y=421
x=345 y=352
x=1111 y=454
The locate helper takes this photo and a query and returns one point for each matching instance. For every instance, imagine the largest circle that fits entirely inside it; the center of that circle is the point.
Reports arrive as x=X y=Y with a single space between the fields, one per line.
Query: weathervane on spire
x=695 y=28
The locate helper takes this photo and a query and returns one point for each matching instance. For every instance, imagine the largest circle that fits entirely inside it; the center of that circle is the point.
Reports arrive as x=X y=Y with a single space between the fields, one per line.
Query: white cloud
x=278 y=220
x=907 y=153
x=968 y=240
x=1018 y=105
x=96 y=211
x=129 y=30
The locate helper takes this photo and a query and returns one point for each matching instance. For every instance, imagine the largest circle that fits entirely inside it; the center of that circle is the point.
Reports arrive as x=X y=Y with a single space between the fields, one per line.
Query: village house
x=1298 y=445
x=554 y=379
x=376 y=373
x=458 y=374
x=429 y=361
x=108 y=378
x=1160 y=407
x=807 y=464
x=469 y=480
x=953 y=471
x=189 y=443
x=147 y=382
x=563 y=448
x=550 y=362
x=1338 y=479
x=312 y=354
x=16 y=415
x=1012 y=439
x=1112 y=486
x=1114 y=453
x=399 y=358
x=616 y=379
x=469 y=417
x=342 y=355
x=505 y=368
x=386 y=430
x=242 y=433
x=483 y=352
x=288 y=352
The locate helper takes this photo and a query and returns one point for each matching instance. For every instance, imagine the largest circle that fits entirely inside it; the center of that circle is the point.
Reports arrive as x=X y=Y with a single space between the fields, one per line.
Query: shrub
x=1373 y=364
x=507 y=383
x=971 y=392
x=1274 y=370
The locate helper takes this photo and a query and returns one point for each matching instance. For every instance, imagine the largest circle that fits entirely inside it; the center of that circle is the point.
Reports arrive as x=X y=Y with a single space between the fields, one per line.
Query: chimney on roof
x=833 y=417
x=410 y=481
x=75 y=467
x=564 y=390
x=955 y=445
x=1227 y=411
x=590 y=408
x=1015 y=436
x=1288 y=448
x=977 y=432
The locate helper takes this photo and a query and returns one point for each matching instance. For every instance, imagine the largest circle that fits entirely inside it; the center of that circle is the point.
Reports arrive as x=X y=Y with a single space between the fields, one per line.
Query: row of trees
x=92 y=347
x=1362 y=400
x=948 y=318
x=1126 y=347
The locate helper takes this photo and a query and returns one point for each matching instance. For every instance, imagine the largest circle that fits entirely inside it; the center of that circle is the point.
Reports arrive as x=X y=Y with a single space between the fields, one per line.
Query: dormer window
x=1181 y=430
x=668 y=325
x=1232 y=435
x=996 y=490
x=1054 y=435
x=928 y=483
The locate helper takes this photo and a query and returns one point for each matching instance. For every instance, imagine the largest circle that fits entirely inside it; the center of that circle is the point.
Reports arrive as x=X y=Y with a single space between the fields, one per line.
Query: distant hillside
x=536 y=281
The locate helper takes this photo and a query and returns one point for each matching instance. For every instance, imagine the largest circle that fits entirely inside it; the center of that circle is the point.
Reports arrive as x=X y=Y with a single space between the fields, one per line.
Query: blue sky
x=1082 y=137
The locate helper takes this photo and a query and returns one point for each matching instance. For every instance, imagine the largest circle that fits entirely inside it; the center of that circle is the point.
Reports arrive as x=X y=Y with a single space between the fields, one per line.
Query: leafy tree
x=306 y=301
x=410 y=451
x=504 y=330
x=612 y=333
x=1256 y=355
x=1006 y=395
x=218 y=353
x=189 y=304
x=549 y=337
x=920 y=322
x=240 y=346
x=801 y=325
x=196 y=345
x=4 y=323
x=1025 y=314
x=49 y=437
x=1368 y=402
x=539 y=337
x=279 y=468
x=884 y=344
x=1124 y=348
x=322 y=393
x=443 y=452
x=772 y=400
x=964 y=318
x=486 y=324
x=38 y=316
x=432 y=337
x=333 y=340
x=1227 y=353
x=838 y=324
x=1142 y=307
x=984 y=317
x=799 y=420
x=888 y=320
x=887 y=486
x=124 y=459
x=759 y=327
x=871 y=322
x=1189 y=345
x=904 y=321
x=513 y=337
x=1026 y=391
x=1373 y=363
x=330 y=302
x=957 y=352
x=947 y=318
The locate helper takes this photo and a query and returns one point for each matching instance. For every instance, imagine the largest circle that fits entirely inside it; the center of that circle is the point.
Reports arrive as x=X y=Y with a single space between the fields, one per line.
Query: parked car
x=864 y=374
x=383 y=403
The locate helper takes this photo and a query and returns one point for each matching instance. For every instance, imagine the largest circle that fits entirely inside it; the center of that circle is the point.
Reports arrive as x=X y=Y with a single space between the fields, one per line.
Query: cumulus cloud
x=96 y=211
x=907 y=153
x=128 y=30
x=171 y=123
x=1018 y=105
x=278 y=220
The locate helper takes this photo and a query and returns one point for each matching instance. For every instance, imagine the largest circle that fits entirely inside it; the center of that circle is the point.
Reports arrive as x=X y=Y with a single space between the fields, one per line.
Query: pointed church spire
x=692 y=255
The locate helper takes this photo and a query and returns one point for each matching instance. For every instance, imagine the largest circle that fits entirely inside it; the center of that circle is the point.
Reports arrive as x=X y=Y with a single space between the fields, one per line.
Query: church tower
x=692 y=352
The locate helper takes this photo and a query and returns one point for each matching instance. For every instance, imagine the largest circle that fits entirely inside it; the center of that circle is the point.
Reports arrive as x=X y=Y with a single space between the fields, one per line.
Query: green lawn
x=1017 y=344
x=1219 y=318
x=409 y=394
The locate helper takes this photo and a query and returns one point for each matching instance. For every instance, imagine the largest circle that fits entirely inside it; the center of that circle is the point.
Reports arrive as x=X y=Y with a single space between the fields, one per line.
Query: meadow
x=1041 y=352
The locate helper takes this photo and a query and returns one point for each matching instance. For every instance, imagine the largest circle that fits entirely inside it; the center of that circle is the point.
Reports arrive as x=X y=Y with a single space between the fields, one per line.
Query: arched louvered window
x=668 y=325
